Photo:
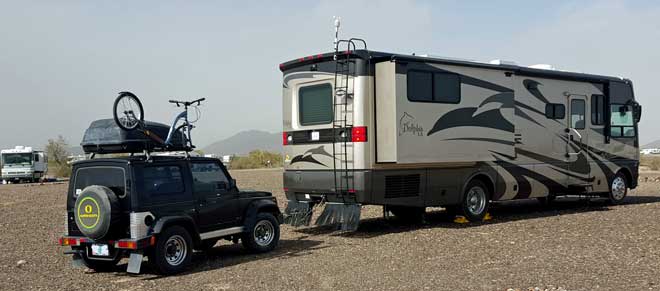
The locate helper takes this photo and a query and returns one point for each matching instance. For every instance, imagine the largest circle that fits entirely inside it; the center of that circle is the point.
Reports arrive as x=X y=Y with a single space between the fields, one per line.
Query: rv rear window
x=437 y=87
x=555 y=111
x=315 y=104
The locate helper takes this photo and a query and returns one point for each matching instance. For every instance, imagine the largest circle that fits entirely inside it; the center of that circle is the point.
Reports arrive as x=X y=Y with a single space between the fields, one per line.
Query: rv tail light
x=286 y=138
x=359 y=134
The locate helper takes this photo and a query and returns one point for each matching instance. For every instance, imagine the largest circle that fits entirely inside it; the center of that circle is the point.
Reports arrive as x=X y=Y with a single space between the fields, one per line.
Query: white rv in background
x=23 y=164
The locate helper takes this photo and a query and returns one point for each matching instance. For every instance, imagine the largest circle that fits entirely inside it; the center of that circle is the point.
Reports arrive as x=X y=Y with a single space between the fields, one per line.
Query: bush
x=58 y=155
x=653 y=162
x=257 y=159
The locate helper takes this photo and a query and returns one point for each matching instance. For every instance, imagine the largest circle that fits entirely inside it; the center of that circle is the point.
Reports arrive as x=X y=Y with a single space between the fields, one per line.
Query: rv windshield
x=17 y=159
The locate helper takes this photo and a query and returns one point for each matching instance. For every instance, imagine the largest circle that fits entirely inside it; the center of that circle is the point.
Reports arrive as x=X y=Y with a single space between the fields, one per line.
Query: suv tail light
x=359 y=134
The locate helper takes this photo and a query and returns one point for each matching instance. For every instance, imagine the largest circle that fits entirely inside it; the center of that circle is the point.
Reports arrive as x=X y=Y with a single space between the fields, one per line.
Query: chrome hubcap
x=476 y=200
x=618 y=188
x=175 y=250
x=264 y=233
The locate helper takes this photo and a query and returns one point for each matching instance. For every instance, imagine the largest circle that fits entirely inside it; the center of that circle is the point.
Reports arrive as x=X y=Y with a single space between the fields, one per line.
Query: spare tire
x=97 y=208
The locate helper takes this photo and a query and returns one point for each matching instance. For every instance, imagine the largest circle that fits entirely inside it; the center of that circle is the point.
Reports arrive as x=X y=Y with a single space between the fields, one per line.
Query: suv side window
x=208 y=177
x=162 y=180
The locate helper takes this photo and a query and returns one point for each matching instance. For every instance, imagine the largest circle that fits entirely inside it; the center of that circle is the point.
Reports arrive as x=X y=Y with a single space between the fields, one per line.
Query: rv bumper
x=317 y=186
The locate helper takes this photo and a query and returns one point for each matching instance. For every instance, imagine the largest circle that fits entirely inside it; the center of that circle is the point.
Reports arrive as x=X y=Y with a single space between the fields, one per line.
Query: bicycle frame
x=186 y=131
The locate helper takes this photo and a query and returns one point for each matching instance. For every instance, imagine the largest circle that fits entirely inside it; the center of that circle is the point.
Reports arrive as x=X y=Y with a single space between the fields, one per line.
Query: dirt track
x=576 y=245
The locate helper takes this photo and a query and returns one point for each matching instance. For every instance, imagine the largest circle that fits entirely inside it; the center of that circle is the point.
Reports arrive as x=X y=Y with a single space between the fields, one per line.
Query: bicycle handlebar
x=187 y=103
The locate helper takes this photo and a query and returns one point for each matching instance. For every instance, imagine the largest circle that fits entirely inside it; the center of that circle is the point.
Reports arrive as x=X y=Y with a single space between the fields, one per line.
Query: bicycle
x=129 y=115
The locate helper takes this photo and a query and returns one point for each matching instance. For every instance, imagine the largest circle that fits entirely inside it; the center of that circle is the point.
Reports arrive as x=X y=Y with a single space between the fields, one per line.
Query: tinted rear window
x=315 y=104
x=111 y=177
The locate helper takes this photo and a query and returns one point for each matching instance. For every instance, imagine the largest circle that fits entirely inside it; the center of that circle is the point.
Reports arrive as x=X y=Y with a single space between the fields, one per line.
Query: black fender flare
x=186 y=221
x=262 y=205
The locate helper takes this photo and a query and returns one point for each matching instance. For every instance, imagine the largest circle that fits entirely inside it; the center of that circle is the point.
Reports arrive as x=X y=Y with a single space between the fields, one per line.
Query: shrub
x=653 y=162
x=257 y=159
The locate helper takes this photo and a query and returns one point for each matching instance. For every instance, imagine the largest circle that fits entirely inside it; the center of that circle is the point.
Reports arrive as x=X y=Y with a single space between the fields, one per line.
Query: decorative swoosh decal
x=308 y=156
x=533 y=88
x=464 y=117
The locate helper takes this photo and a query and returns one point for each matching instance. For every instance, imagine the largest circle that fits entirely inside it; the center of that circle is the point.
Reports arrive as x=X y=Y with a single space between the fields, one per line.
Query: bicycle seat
x=188 y=103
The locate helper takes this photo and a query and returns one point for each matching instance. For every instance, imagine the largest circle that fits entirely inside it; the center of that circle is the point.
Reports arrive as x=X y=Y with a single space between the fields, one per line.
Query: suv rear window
x=315 y=104
x=111 y=177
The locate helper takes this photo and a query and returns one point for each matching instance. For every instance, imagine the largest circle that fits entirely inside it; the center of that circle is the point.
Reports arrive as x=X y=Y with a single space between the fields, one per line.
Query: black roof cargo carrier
x=105 y=137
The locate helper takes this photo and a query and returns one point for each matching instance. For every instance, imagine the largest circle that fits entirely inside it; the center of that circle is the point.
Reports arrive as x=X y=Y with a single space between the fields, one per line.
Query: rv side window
x=446 y=88
x=555 y=111
x=434 y=87
x=597 y=109
x=36 y=158
x=621 y=121
x=315 y=104
x=577 y=113
x=420 y=86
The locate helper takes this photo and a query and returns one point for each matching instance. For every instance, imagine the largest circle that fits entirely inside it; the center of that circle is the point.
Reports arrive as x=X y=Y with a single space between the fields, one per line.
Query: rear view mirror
x=637 y=112
x=232 y=184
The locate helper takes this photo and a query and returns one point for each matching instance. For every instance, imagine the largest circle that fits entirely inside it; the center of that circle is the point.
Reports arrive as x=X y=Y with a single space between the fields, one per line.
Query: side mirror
x=232 y=184
x=637 y=112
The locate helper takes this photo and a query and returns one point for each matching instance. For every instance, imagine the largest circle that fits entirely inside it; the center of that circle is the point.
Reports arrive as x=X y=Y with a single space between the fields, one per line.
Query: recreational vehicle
x=23 y=164
x=408 y=132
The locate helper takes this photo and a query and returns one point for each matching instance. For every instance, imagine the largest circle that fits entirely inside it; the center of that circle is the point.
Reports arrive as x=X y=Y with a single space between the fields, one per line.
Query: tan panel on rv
x=386 y=126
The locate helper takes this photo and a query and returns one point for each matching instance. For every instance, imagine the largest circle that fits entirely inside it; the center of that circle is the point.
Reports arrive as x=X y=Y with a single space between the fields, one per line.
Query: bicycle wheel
x=128 y=111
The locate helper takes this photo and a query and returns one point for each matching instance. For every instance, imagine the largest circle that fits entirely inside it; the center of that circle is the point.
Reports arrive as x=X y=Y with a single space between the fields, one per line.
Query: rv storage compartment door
x=386 y=119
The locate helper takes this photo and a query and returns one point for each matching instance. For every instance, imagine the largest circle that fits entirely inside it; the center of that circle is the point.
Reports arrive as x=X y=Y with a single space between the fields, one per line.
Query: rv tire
x=476 y=201
x=618 y=189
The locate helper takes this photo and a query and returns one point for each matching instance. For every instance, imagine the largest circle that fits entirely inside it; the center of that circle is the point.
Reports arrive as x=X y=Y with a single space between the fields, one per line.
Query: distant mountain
x=246 y=141
x=653 y=145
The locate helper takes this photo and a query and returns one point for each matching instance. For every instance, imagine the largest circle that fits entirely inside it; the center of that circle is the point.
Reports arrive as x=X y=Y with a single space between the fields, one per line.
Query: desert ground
x=575 y=244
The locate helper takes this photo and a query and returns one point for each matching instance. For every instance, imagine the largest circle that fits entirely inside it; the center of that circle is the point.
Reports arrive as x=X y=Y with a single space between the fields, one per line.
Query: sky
x=62 y=63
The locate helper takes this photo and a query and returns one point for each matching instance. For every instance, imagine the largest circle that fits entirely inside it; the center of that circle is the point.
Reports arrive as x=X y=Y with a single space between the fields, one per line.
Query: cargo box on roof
x=105 y=137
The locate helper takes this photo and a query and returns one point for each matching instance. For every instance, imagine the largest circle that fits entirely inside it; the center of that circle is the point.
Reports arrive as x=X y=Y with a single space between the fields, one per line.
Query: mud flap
x=134 y=263
x=298 y=213
x=346 y=215
x=77 y=261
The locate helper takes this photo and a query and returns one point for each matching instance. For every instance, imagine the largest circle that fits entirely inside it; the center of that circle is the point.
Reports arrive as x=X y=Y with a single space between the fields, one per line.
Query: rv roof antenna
x=337 y=24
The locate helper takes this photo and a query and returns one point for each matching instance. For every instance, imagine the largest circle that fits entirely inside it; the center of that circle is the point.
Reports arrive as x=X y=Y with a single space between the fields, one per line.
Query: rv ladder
x=342 y=124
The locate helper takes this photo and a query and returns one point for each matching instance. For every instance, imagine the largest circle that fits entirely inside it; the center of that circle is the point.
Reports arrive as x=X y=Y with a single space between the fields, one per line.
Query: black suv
x=162 y=207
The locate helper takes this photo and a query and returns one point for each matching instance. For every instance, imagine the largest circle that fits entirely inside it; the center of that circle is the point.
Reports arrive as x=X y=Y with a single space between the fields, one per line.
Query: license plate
x=100 y=250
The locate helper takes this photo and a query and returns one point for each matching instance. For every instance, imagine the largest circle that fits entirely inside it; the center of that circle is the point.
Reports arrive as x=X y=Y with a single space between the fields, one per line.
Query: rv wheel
x=474 y=205
x=618 y=189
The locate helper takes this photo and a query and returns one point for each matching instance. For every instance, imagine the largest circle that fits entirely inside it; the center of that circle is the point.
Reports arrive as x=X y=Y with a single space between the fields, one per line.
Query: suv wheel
x=100 y=265
x=173 y=251
x=475 y=201
x=263 y=235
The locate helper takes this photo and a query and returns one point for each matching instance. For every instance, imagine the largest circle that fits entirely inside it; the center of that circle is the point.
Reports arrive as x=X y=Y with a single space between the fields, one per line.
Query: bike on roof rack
x=129 y=115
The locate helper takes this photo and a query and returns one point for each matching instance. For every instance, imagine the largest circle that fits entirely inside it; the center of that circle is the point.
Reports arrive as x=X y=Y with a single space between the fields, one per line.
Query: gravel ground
x=573 y=245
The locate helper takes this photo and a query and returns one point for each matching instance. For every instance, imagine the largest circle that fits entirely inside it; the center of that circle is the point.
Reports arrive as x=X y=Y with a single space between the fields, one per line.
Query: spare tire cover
x=96 y=209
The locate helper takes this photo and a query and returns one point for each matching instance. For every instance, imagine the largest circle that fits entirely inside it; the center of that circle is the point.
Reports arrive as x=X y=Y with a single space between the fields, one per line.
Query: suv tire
x=96 y=211
x=263 y=234
x=173 y=251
